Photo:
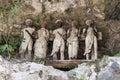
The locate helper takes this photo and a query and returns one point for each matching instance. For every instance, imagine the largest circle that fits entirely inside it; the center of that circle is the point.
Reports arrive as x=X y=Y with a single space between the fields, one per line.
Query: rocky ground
x=104 y=69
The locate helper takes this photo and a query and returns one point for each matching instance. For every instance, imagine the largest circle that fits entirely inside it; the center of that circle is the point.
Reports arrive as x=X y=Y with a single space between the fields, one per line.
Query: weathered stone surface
x=111 y=71
x=105 y=69
x=112 y=9
x=111 y=36
x=38 y=8
x=83 y=70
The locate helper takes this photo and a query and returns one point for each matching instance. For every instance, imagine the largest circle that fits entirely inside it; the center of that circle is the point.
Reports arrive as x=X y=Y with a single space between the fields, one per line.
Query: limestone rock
x=83 y=71
x=105 y=69
x=111 y=72
x=111 y=36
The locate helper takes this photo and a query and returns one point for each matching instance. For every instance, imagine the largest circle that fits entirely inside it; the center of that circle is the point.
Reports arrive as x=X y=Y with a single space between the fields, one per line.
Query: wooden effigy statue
x=72 y=41
x=90 y=40
x=58 y=43
x=40 y=47
x=26 y=46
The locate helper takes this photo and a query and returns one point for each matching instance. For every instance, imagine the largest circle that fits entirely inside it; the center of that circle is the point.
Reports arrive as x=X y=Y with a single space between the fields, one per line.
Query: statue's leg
x=87 y=56
x=75 y=49
x=55 y=56
x=55 y=49
x=28 y=55
x=70 y=51
x=62 y=48
x=95 y=48
x=92 y=53
x=86 y=46
x=45 y=52
x=34 y=58
x=35 y=53
x=21 y=52
x=54 y=53
x=61 y=55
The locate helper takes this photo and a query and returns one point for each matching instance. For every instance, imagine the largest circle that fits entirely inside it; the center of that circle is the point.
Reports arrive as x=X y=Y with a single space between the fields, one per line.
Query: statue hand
x=51 y=54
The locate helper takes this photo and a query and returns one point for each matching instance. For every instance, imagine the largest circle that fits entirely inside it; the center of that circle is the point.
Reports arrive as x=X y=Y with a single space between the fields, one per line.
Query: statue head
x=28 y=22
x=89 y=22
x=74 y=23
x=43 y=24
x=58 y=23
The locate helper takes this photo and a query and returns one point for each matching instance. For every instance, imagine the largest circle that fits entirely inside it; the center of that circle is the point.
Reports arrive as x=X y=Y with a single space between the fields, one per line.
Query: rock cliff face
x=58 y=8
x=105 y=69
x=112 y=9
x=101 y=9
x=106 y=14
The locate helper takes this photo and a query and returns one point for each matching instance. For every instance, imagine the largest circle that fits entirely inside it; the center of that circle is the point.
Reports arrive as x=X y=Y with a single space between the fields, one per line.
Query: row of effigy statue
x=37 y=40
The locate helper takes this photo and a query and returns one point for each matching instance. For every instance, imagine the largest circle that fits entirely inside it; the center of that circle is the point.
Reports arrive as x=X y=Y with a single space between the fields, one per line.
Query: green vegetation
x=9 y=42
x=71 y=75
x=37 y=21
x=41 y=61
x=117 y=54
x=105 y=56
x=83 y=77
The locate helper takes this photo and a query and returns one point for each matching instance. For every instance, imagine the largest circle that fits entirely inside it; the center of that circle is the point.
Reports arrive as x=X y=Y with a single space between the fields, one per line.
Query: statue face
x=43 y=24
x=59 y=24
x=28 y=23
x=74 y=24
x=89 y=22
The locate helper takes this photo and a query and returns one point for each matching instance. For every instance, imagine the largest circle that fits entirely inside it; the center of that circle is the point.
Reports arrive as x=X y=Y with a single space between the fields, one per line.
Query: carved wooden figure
x=40 y=47
x=90 y=40
x=58 y=43
x=72 y=41
x=26 y=45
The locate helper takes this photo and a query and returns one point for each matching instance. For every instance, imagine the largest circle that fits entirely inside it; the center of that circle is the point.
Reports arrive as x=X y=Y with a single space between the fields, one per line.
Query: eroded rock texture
x=112 y=9
x=105 y=69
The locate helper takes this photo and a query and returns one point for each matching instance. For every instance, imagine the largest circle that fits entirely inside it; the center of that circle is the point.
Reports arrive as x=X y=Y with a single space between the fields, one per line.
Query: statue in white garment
x=40 y=47
x=26 y=46
x=90 y=40
x=72 y=40
x=58 y=43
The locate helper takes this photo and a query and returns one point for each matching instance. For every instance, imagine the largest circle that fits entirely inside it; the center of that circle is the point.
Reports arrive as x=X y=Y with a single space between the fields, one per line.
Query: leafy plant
x=8 y=42
x=37 y=21
x=117 y=54
x=105 y=57
x=4 y=48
